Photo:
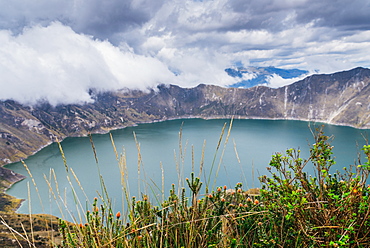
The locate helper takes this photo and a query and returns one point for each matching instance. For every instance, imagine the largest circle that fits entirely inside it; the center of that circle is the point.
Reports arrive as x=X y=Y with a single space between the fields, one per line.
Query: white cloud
x=249 y=76
x=60 y=66
x=275 y=81
x=195 y=66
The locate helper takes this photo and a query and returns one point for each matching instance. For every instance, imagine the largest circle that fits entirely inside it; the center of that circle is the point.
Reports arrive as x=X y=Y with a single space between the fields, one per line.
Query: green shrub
x=321 y=210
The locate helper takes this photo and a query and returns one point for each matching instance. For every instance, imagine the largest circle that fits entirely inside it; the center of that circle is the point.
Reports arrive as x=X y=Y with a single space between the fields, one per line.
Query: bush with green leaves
x=322 y=210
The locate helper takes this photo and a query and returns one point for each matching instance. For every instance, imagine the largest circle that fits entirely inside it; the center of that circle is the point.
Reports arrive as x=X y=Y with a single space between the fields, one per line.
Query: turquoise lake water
x=244 y=158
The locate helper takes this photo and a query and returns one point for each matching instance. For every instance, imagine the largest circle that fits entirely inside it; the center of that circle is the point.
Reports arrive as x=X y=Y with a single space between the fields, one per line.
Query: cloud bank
x=57 y=50
x=57 y=65
x=276 y=81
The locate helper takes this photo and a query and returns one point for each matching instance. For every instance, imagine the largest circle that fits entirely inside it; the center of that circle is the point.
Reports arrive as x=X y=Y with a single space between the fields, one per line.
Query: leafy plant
x=321 y=210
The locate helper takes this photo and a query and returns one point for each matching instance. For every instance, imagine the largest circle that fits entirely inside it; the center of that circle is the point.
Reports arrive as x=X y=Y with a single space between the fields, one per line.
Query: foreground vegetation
x=293 y=209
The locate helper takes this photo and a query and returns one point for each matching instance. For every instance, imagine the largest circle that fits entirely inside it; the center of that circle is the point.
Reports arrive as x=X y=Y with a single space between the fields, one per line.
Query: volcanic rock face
x=342 y=98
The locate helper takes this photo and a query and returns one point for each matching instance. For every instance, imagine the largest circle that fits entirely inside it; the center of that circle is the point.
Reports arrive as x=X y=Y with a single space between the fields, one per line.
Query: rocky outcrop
x=340 y=98
x=7 y=178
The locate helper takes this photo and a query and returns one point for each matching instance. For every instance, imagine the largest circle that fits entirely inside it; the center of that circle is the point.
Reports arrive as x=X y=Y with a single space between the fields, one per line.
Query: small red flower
x=118 y=214
x=256 y=202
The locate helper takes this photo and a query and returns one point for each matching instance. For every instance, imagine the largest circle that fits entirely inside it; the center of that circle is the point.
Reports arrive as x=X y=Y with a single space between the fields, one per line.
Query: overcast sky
x=56 y=50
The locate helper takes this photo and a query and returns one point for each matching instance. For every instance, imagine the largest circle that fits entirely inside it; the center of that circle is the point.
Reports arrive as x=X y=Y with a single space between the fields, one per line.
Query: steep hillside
x=341 y=98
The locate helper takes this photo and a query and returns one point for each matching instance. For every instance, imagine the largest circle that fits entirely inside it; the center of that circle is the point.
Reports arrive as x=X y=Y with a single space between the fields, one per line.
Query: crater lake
x=151 y=157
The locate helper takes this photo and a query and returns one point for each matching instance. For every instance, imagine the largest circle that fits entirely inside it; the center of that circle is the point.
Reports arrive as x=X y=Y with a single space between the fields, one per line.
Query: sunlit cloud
x=275 y=81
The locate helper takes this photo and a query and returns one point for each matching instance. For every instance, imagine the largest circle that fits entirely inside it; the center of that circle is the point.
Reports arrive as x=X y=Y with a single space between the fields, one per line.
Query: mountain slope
x=340 y=98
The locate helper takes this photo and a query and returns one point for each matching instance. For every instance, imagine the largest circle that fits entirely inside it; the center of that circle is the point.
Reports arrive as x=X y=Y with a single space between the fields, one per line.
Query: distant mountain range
x=252 y=76
x=341 y=98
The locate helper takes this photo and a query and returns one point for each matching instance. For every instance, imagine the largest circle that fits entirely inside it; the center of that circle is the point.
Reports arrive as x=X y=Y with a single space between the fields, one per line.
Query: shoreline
x=8 y=202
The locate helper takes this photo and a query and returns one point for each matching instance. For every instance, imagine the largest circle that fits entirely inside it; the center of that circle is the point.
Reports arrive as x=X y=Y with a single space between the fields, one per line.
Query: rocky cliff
x=341 y=98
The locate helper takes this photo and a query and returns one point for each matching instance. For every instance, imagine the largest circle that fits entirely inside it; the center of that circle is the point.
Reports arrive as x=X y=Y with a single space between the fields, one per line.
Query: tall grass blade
x=93 y=148
x=30 y=212
x=215 y=156
x=63 y=156
x=34 y=184
x=222 y=153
